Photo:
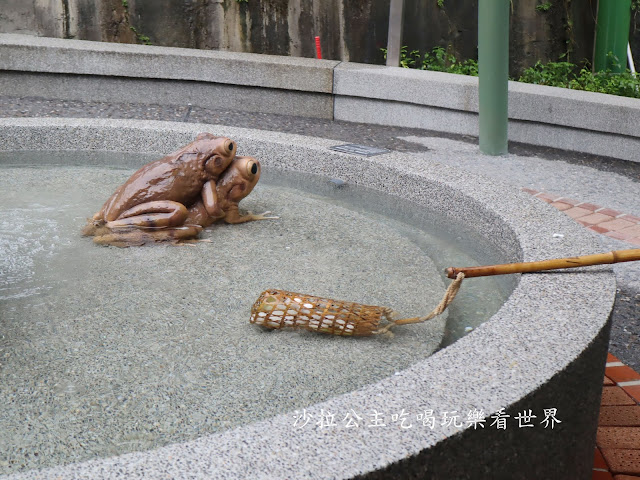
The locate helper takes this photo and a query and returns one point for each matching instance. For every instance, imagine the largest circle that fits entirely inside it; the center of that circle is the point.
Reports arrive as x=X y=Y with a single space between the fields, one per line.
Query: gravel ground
x=603 y=181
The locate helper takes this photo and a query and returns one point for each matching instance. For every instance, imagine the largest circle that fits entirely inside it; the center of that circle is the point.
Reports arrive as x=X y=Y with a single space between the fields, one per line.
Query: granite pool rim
x=540 y=333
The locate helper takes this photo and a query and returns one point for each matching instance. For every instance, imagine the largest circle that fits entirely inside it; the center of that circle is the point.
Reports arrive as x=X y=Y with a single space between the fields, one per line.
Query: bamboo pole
x=527 y=267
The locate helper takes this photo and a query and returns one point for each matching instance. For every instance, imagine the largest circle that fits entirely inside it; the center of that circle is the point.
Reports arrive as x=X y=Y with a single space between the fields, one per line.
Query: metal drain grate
x=355 y=149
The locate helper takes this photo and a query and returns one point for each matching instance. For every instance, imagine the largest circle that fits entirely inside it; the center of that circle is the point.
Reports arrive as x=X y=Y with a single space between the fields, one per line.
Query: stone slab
x=167 y=92
x=410 y=115
x=576 y=109
x=421 y=87
x=53 y=55
x=593 y=142
x=527 y=102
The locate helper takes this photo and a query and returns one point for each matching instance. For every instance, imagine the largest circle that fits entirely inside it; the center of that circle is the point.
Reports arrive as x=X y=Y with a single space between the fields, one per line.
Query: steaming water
x=106 y=350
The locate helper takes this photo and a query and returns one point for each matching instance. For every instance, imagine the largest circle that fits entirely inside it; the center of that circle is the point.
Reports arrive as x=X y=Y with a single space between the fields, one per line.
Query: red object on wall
x=318 y=50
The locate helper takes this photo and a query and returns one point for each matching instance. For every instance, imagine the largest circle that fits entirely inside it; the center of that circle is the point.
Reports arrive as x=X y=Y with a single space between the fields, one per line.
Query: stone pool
x=549 y=335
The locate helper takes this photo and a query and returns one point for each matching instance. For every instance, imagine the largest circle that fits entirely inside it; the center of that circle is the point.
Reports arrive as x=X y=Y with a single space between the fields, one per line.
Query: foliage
x=437 y=60
x=555 y=74
x=440 y=3
x=544 y=7
x=141 y=38
x=569 y=75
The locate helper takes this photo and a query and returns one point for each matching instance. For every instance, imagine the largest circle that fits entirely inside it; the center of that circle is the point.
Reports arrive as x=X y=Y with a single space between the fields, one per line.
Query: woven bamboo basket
x=277 y=309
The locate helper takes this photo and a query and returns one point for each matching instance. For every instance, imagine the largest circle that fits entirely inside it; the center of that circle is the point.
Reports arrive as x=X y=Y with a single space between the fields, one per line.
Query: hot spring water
x=106 y=350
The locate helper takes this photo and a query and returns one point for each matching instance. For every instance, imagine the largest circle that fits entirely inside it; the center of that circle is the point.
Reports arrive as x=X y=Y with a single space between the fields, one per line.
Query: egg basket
x=277 y=309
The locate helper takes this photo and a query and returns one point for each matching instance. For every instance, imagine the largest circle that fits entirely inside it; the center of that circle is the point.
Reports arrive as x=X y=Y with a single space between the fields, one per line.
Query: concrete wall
x=99 y=20
x=350 y=30
x=79 y=70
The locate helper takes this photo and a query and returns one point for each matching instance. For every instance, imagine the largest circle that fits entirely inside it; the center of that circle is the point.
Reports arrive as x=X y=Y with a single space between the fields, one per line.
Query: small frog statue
x=174 y=198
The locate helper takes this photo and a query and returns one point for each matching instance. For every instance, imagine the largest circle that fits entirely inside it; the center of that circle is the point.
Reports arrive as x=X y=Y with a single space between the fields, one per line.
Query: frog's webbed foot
x=263 y=216
x=121 y=238
x=191 y=242
x=235 y=217
x=94 y=227
x=130 y=237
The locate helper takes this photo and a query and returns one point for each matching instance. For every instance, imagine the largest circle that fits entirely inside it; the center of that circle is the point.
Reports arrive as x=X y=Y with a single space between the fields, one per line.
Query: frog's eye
x=229 y=146
x=252 y=168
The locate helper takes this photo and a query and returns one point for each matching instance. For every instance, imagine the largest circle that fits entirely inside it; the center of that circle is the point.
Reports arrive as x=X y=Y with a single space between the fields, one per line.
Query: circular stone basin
x=292 y=386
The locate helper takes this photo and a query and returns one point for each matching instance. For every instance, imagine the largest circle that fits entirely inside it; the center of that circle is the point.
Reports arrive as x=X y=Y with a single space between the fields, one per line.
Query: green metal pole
x=612 y=35
x=493 y=65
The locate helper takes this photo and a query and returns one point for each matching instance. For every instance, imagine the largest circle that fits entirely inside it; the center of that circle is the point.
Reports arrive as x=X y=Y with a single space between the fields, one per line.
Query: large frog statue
x=235 y=183
x=173 y=198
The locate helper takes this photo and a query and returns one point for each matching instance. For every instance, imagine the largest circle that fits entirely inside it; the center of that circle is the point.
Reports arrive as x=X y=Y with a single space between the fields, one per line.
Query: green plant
x=141 y=38
x=441 y=61
x=569 y=75
x=437 y=60
x=543 y=7
x=555 y=74
x=440 y=3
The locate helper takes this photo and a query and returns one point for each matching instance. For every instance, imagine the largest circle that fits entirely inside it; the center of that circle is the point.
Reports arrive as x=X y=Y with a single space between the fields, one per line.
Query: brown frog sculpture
x=235 y=183
x=173 y=198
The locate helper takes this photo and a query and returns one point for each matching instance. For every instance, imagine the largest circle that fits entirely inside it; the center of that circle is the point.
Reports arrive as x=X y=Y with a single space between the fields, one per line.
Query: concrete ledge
x=410 y=115
x=52 y=55
x=566 y=138
x=94 y=88
x=81 y=70
x=546 y=116
x=96 y=71
x=560 y=118
x=419 y=87
x=574 y=109
x=545 y=348
x=532 y=103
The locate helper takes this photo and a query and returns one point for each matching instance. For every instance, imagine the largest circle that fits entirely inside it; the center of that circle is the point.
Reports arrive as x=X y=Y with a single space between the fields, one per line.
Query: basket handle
x=616 y=256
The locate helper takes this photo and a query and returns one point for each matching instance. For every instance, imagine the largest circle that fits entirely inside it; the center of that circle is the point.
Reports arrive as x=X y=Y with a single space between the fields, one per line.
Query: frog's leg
x=95 y=224
x=156 y=214
x=233 y=216
x=99 y=216
x=132 y=236
x=210 y=200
